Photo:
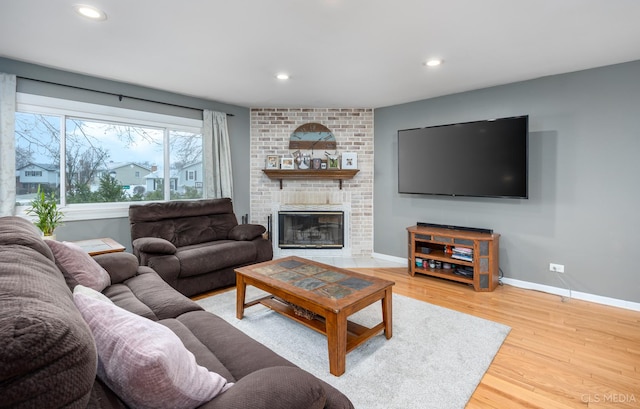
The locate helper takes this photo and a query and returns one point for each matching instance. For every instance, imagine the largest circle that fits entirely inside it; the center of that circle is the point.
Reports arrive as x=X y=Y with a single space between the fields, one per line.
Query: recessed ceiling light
x=434 y=62
x=90 y=12
x=282 y=76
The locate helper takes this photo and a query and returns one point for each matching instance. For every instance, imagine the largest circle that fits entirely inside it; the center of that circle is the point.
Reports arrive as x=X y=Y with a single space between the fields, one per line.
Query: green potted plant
x=48 y=216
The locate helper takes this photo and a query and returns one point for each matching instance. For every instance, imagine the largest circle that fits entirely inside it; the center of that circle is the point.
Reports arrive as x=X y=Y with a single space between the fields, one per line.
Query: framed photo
x=349 y=160
x=273 y=161
x=286 y=163
x=316 y=163
x=333 y=162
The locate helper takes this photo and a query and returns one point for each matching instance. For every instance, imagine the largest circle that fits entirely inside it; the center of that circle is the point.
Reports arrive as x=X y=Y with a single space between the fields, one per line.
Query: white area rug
x=435 y=359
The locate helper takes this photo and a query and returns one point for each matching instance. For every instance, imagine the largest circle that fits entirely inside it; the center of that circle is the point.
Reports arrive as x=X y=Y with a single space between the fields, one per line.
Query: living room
x=580 y=210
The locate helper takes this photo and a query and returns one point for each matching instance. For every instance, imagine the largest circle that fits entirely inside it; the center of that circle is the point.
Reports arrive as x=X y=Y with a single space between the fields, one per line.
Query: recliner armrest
x=154 y=245
x=246 y=232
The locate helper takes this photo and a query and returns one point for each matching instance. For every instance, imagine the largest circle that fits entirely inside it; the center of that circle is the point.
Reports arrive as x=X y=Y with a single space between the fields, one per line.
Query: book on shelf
x=462 y=257
x=462 y=253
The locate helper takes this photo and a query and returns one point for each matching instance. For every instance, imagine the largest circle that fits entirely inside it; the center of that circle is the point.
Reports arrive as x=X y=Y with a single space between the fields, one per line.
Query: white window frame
x=38 y=104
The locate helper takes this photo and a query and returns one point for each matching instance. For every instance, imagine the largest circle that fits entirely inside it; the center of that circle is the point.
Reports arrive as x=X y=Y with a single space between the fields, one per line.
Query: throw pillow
x=78 y=266
x=246 y=231
x=90 y=292
x=144 y=362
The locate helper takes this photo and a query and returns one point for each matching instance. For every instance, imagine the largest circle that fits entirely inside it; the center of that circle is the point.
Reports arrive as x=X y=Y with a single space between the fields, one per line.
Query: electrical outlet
x=557 y=268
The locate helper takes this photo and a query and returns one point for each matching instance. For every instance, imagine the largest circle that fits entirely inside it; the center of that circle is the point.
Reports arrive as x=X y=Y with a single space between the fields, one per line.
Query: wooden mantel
x=306 y=174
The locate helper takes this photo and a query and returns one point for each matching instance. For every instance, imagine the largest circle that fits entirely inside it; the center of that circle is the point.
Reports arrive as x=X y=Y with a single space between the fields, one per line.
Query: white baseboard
x=394 y=259
x=563 y=292
x=598 y=299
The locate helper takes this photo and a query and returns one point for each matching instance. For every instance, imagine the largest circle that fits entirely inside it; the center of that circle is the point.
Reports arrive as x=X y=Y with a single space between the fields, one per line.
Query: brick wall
x=353 y=130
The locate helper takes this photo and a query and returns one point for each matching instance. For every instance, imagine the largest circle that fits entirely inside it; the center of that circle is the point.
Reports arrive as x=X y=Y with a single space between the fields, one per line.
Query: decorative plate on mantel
x=312 y=136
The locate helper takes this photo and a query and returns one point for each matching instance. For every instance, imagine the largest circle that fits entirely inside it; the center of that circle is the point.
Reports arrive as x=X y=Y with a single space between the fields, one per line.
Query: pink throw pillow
x=78 y=266
x=144 y=362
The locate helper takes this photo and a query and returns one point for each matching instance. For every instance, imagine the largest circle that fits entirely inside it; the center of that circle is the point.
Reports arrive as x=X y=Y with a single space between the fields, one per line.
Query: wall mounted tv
x=482 y=158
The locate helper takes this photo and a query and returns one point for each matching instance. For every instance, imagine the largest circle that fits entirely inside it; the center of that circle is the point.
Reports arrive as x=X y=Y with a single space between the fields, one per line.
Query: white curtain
x=7 y=144
x=218 y=181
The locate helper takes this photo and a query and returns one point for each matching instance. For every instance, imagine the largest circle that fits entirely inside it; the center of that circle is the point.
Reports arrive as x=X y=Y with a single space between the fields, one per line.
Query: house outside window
x=85 y=156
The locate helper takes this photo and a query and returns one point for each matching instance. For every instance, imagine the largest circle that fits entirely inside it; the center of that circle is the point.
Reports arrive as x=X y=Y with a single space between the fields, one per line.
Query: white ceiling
x=339 y=53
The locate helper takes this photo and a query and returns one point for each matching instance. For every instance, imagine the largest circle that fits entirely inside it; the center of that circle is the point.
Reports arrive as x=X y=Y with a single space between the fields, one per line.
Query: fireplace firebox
x=310 y=229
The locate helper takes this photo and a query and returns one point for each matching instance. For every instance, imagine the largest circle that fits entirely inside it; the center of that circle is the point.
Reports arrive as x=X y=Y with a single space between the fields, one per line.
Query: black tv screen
x=482 y=158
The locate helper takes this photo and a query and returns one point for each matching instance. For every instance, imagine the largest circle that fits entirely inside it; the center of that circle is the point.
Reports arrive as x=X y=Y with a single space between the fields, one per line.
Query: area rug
x=435 y=359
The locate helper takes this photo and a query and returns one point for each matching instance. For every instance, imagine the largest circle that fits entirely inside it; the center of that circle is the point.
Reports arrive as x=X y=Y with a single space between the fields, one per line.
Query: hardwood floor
x=559 y=354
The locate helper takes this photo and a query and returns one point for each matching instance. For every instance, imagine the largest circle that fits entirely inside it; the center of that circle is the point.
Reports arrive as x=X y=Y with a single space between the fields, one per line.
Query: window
x=88 y=154
x=186 y=156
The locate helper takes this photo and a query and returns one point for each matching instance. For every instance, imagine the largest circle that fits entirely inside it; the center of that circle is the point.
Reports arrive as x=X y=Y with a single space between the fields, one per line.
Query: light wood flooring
x=559 y=354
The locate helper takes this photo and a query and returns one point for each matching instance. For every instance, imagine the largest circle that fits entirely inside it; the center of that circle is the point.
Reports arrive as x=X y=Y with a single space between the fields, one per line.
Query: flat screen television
x=483 y=159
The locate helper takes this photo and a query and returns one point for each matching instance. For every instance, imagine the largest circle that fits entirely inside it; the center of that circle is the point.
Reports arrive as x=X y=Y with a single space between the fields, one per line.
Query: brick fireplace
x=353 y=130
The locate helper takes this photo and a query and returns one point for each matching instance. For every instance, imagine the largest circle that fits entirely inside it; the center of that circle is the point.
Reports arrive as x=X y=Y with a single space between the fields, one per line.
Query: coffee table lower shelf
x=356 y=333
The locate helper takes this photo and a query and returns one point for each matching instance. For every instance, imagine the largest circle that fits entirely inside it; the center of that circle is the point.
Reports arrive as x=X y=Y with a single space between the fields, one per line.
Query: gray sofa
x=48 y=357
x=195 y=245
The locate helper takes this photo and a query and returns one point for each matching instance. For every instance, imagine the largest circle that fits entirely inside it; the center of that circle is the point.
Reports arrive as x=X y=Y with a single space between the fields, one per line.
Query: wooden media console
x=459 y=255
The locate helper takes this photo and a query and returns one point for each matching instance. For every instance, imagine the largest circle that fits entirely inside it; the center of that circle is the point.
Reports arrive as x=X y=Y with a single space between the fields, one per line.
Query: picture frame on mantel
x=273 y=162
x=286 y=163
x=349 y=160
x=333 y=162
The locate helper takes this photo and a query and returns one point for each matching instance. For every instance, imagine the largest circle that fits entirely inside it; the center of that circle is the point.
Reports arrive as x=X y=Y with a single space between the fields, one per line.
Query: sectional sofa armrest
x=154 y=245
x=120 y=266
x=246 y=232
x=279 y=387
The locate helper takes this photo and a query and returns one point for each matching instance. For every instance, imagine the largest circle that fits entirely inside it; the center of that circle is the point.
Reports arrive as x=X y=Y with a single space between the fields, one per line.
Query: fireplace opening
x=310 y=229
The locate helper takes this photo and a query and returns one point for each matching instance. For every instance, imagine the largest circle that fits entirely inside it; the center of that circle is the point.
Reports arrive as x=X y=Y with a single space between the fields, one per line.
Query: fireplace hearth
x=311 y=229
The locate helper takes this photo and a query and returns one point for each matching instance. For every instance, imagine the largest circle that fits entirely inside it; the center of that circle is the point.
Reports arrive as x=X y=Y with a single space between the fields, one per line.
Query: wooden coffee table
x=321 y=297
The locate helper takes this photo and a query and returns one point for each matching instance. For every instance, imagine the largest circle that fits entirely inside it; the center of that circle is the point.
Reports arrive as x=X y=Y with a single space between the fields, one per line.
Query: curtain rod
x=120 y=96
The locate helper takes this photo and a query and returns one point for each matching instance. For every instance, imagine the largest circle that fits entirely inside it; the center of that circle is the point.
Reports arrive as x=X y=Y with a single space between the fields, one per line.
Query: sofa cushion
x=207 y=257
x=78 y=267
x=179 y=208
x=240 y=354
x=246 y=231
x=204 y=356
x=280 y=387
x=123 y=297
x=47 y=355
x=144 y=362
x=183 y=223
x=163 y=300
x=18 y=231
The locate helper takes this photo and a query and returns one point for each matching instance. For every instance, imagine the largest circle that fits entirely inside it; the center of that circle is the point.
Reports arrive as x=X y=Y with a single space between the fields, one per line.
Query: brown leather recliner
x=195 y=245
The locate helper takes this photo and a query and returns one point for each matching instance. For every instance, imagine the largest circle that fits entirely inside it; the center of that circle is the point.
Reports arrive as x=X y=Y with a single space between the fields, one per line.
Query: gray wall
x=584 y=179
x=118 y=229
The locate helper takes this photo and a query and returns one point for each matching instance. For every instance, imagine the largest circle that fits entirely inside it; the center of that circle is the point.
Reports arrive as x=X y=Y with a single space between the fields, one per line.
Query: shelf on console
x=330 y=174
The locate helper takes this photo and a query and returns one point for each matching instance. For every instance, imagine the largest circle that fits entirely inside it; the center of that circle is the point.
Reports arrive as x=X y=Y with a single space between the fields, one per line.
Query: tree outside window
x=103 y=161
